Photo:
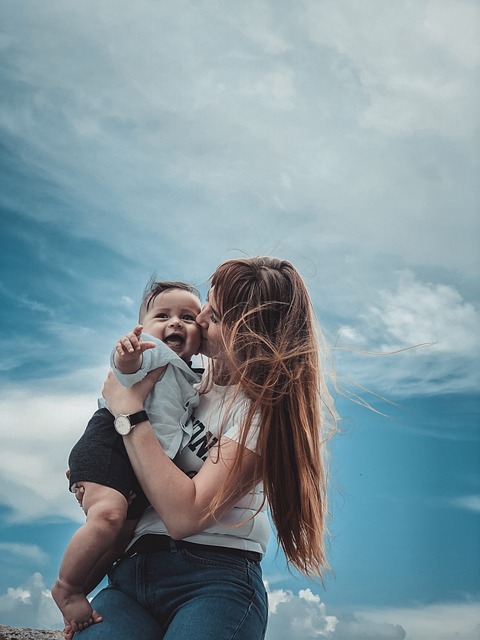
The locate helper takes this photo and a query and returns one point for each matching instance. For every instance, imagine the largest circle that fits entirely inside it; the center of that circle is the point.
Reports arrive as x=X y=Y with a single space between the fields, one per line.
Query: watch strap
x=136 y=418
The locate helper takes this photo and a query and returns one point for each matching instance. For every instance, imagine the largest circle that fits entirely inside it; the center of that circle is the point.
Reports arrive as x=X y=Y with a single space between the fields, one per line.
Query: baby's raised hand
x=129 y=349
x=131 y=345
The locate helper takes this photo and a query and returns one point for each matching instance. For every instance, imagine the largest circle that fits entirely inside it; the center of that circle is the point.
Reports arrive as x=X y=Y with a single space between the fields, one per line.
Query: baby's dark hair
x=154 y=287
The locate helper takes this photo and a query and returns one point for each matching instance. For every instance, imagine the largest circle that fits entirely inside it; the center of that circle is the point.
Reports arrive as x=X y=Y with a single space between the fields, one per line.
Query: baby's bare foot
x=68 y=631
x=76 y=610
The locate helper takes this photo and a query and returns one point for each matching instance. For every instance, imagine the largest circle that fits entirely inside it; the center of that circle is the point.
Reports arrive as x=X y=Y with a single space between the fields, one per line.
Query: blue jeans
x=178 y=594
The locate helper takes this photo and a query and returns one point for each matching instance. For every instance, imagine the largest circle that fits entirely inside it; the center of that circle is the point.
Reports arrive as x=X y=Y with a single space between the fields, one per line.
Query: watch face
x=122 y=425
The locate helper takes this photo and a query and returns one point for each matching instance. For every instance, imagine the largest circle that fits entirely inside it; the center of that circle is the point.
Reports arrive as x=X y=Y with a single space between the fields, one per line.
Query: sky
x=166 y=137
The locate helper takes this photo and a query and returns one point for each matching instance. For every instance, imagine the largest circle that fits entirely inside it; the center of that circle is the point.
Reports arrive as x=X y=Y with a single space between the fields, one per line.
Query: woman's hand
x=78 y=490
x=121 y=400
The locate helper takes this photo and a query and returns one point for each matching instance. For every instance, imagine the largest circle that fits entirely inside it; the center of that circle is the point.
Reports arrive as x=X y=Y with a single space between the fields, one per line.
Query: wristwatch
x=124 y=424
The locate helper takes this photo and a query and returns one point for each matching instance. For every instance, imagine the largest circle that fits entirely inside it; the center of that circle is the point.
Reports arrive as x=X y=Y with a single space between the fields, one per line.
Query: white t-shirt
x=207 y=421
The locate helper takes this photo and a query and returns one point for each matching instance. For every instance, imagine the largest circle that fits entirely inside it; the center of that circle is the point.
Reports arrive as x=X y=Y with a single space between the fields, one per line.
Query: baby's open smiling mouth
x=175 y=340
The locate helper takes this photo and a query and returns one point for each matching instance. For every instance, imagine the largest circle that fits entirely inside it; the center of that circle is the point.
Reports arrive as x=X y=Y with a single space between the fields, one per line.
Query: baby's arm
x=129 y=349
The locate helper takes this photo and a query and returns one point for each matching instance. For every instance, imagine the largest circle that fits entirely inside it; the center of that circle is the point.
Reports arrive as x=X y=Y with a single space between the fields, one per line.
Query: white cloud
x=33 y=305
x=443 y=621
x=422 y=78
x=34 y=452
x=30 y=605
x=471 y=503
x=277 y=597
x=298 y=616
x=277 y=88
x=426 y=312
x=303 y=615
x=435 y=329
x=358 y=627
x=456 y=28
x=127 y=301
x=235 y=137
x=29 y=552
x=254 y=18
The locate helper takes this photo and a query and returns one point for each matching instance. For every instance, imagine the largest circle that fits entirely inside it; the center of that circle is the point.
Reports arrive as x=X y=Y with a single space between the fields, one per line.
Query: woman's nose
x=200 y=319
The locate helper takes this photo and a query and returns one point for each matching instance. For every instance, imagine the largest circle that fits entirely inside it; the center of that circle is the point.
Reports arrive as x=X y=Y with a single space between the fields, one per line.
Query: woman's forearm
x=180 y=501
x=169 y=490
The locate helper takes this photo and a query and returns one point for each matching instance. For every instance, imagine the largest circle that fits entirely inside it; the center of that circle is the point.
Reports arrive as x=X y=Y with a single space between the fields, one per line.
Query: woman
x=193 y=569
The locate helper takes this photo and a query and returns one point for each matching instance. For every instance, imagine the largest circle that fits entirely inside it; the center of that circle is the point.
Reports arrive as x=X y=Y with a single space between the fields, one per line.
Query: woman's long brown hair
x=272 y=351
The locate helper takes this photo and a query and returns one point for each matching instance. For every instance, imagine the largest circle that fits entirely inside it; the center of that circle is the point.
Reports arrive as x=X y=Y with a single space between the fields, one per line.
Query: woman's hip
x=196 y=592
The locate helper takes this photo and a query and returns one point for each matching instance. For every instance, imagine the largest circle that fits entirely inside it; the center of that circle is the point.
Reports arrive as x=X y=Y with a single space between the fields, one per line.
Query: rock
x=12 y=633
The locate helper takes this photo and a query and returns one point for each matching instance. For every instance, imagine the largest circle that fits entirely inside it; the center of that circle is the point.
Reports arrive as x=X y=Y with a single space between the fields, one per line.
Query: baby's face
x=172 y=319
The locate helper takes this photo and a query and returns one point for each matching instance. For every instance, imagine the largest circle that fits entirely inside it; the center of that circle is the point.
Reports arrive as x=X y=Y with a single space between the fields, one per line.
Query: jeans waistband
x=151 y=543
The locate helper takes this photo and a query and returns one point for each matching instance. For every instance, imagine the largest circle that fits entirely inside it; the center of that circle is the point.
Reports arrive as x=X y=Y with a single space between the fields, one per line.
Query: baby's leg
x=105 y=509
x=104 y=563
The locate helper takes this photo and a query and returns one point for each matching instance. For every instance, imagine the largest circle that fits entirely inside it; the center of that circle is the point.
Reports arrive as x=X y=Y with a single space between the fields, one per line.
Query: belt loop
x=173 y=545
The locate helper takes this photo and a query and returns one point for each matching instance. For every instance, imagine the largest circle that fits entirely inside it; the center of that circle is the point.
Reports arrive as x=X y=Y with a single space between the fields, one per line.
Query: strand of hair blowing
x=272 y=348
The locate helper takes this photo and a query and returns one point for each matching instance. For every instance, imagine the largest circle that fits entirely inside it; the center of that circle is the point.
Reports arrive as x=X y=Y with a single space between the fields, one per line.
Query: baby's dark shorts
x=100 y=456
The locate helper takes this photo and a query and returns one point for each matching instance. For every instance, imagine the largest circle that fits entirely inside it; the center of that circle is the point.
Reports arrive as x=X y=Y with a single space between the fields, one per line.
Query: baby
x=167 y=337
